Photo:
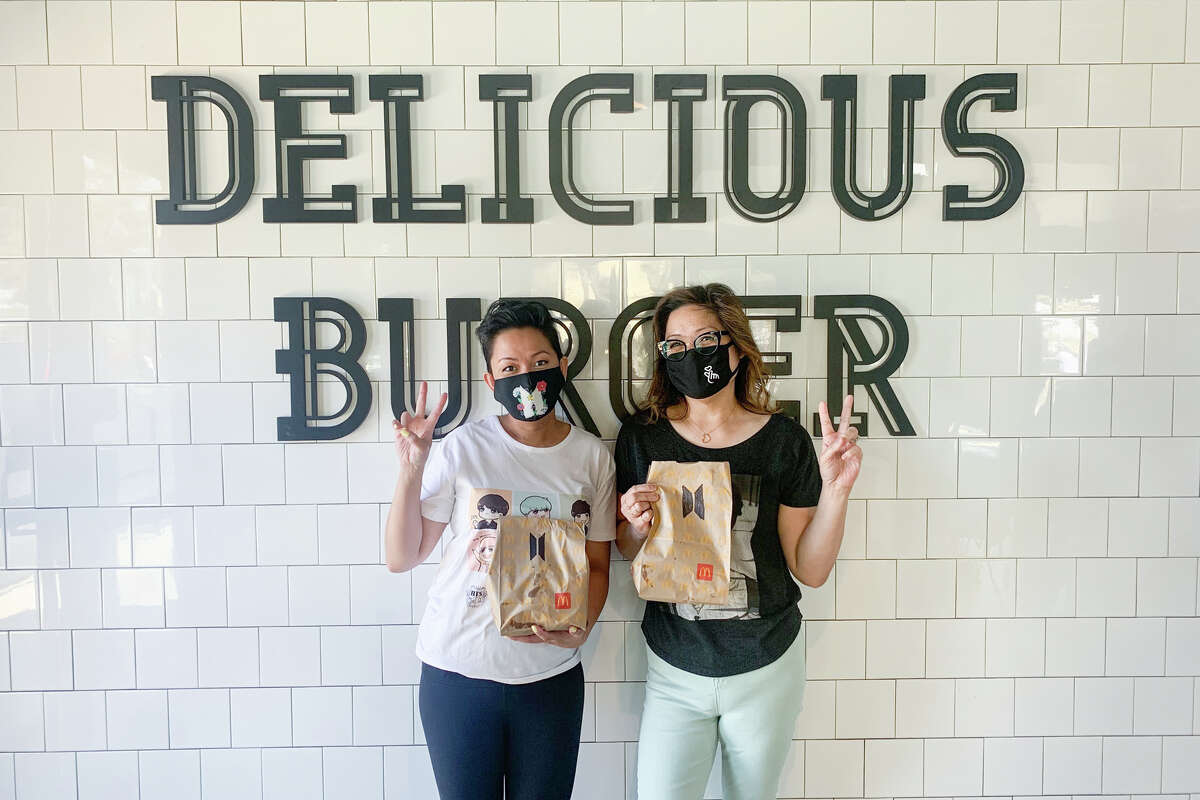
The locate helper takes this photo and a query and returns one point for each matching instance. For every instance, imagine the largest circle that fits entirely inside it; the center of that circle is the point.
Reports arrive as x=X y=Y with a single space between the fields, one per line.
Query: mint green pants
x=752 y=715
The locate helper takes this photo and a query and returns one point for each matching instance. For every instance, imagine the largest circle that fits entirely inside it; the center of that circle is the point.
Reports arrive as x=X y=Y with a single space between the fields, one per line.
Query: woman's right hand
x=637 y=506
x=414 y=432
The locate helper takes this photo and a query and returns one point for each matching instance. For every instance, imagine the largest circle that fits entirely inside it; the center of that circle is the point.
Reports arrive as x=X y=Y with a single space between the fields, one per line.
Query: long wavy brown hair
x=750 y=383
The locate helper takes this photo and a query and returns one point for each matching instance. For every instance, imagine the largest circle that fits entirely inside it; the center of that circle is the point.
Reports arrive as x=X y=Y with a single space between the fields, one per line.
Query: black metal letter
x=397 y=312
x=302 y=362
x=506 y=93
x=903 y=93
x=957 y=202
x=680 y=92
x=185 y=206
x=617 y=88
x=400 y=205
x=852 y=361
x=293 y=147
x=741 y=92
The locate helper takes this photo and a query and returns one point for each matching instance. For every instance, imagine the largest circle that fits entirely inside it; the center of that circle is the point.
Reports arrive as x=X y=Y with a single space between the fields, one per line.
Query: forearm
x=817 y=548
x=403 y=530
x=629 y=541
x=597 y=594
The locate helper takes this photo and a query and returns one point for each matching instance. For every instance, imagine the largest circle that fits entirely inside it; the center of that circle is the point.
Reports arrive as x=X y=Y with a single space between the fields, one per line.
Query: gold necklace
x=704 y=436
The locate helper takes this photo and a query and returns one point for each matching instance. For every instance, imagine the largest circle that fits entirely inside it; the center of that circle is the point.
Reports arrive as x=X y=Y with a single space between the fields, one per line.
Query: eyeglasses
x=705 y=344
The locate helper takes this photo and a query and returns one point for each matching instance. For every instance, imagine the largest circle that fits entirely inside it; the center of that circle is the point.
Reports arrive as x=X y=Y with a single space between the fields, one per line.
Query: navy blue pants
x=487 y=738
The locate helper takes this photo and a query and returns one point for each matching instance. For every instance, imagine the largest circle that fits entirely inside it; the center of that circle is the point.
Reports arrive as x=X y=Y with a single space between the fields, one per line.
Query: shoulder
x=792 y=433
x=639 y=428
x=587 y=443
x=467 y=434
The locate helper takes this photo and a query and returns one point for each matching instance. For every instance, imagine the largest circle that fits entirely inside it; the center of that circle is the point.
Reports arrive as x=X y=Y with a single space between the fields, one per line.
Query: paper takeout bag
x=538 y=575
x=686 y=556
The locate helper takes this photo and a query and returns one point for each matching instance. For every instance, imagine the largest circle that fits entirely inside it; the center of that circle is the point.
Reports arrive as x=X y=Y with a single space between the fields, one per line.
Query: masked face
x=531 y=395
x=699 y=376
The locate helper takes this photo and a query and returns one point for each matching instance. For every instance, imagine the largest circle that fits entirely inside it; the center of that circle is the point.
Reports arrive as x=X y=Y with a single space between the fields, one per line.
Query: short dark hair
x=493 y=502
x=507 y=313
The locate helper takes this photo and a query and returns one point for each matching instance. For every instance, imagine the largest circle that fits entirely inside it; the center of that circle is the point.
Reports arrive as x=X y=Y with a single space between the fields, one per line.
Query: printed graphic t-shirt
x=777 y=465
x=475 y=476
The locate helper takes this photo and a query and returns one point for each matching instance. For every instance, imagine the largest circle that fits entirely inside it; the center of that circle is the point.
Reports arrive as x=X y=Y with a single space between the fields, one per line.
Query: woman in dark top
x=732 y=673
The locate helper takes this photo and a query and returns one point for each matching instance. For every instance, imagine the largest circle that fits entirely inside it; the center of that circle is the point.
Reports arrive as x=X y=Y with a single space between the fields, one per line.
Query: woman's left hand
x=841 y=457
x=570 y=639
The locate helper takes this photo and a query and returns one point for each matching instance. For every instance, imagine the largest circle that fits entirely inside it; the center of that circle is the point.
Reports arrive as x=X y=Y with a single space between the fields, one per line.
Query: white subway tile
x=835 y=767
x=191 y=474
x=137 y=720
x=31 y=415
x=44 y=775
x=24 y=25
x=124 y=352
x=68 y=598
x=290 y=656
x=100 y=537
x=60 y=352
x=904 y=33
x=132 y=598
x=40 y=660
x=166 y=658
x=925 y=588
x=75 y=721
x=953 y=767
x=954 y=648
x=322 y=716
x=65 y=476
x=840 y=33
x=227 y=656
x=235 y=773
x=1108 y=467
x=260 y=717
x=319 y=595
x=25 y=158
x=199 y=717
x=1049 y=468
x=296 y=773
x=924 y=708
x=866 y=709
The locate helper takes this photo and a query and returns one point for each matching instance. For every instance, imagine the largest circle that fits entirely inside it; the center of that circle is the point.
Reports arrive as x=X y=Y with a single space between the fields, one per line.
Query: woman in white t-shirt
x=502 y=716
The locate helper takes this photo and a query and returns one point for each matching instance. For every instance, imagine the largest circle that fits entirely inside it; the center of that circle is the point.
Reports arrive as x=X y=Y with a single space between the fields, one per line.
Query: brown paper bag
x=538 y=575
x=686 y=557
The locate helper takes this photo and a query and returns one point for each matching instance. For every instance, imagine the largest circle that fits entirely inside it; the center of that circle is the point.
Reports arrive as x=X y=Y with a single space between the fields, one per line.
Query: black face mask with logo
x=698 y=376
x=531 y=395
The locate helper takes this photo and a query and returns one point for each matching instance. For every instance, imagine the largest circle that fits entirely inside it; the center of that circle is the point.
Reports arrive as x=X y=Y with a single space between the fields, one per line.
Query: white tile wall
x=190 y=609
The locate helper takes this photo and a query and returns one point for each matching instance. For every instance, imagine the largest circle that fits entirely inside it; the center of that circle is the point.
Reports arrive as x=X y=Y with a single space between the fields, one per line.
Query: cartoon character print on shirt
x=488 y=505
x=581 y=512
x=531 y=404
x=743 y=573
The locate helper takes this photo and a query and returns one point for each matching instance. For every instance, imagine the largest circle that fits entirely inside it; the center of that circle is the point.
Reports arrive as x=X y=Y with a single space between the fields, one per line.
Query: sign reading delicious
x=854 y=358
x=397 y=93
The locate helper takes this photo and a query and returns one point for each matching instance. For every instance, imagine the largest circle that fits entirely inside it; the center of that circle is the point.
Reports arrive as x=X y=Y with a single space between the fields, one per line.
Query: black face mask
x=530 y=395
x=699 y=376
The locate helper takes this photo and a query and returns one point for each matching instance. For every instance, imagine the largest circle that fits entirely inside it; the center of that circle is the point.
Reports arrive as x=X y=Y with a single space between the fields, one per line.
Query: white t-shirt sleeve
x=603 y=526
x=437 y=483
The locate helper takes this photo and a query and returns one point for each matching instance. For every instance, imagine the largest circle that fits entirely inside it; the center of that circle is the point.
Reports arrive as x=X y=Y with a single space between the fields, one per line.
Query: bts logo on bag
x=704 y=572
x=537 y=547
x=693 y=502
x=562 y=600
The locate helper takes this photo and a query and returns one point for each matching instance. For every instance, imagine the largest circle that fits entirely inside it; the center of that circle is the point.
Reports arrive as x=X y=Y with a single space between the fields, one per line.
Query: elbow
x=813 y=579
x=395 y=564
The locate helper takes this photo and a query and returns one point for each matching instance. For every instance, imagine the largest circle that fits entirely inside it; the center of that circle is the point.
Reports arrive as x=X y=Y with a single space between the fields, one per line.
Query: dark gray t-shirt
x=777 y=465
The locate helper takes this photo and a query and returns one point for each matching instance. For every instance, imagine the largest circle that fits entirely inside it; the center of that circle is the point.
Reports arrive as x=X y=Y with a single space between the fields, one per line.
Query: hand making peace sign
x=414 y=432
x=841 y=457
